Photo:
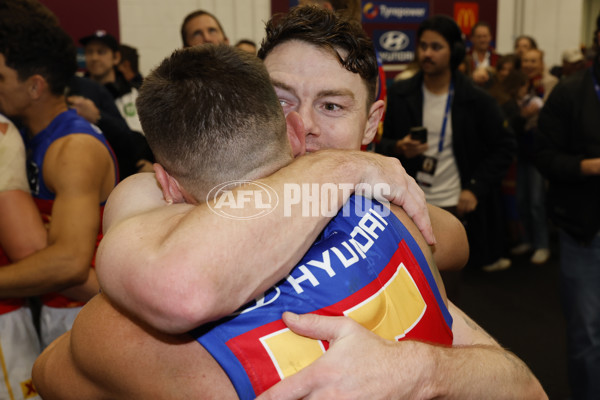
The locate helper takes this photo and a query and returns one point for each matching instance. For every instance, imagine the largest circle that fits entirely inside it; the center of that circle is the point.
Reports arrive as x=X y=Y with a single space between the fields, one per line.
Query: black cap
x=101 y=36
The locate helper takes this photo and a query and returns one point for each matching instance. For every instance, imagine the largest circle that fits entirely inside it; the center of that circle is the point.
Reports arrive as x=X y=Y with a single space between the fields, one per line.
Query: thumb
x=317 y=326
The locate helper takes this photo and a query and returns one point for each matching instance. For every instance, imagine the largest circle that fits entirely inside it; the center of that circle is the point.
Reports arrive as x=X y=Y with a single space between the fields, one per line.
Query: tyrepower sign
x=380 y=11
x=466 y=15
x=395 y=46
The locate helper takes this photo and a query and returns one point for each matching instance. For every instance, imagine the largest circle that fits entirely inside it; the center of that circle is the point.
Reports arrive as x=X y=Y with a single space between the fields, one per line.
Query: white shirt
x=445 y=188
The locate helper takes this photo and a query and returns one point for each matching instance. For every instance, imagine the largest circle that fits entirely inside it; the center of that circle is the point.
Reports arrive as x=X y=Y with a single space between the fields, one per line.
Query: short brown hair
x=211 y=115
x=326 y=30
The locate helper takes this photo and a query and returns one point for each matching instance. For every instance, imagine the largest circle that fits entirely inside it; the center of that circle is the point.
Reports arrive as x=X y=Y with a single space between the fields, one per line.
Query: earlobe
x=169 y=185
x=375 y=114
x=295 y=132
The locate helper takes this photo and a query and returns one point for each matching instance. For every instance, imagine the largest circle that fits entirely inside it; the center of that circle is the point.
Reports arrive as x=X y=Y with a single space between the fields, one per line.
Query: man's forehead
x=287 y=71
x=205 y=20
x=431 y=36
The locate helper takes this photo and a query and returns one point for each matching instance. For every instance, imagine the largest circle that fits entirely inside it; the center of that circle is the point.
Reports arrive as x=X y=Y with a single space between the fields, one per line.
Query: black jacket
x=483 y=144
x=569 y=131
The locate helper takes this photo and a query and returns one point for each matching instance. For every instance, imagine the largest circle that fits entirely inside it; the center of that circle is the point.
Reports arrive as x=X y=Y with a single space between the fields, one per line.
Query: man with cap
x=102 y=59
x=467 y=148
x=102 y=56
x=568 y=155
x=572 y=61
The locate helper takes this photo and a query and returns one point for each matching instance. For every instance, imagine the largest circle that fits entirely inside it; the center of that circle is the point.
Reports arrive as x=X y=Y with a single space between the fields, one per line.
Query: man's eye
x=332 y=107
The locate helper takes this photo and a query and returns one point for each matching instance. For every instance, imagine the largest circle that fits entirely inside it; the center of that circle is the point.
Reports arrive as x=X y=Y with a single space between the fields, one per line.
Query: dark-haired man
x=70 y=165
x=94 y=364
x=200 y=27
x=208 y=295
x=468 y=147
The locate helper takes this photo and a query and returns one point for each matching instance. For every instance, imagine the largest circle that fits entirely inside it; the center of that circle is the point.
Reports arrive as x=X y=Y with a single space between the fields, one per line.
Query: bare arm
x=75 y=169
x=21 y=229
x=199 y=266
x=451 y=252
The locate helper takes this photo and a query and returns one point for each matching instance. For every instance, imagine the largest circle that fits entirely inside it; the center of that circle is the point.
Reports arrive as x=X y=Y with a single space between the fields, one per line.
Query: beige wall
x=152 y=26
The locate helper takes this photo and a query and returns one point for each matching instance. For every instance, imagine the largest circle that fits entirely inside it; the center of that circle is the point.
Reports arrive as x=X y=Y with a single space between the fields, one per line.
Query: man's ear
x=296 y=134
x=169 y=185
x=37 y=86
x=116 y=57
x=375 y=114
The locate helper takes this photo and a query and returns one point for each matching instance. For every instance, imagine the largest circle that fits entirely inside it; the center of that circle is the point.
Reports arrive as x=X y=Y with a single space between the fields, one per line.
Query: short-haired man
x=246 y=117
x=70 y=165
x=336 y=100
x=468 y=148
x=200 y=27
x=483 y=56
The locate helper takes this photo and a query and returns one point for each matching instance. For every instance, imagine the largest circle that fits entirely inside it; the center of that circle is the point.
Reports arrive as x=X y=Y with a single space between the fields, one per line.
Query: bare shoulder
x=113 y=356
x=135 y=195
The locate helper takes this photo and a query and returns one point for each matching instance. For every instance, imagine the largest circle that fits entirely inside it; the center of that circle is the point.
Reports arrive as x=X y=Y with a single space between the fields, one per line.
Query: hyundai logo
x=394 y=41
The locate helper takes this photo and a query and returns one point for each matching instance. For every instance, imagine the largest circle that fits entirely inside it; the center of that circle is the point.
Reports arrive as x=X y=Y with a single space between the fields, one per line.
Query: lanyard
x=446 y=113
x=596 y=85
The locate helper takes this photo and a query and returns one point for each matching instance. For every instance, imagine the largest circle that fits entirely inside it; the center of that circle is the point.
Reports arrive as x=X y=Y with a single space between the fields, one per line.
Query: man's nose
x=308 y=118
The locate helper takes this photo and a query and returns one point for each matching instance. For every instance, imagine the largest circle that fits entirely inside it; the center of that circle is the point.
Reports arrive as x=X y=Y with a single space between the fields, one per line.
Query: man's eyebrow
x=280 y=85
x=336 y=93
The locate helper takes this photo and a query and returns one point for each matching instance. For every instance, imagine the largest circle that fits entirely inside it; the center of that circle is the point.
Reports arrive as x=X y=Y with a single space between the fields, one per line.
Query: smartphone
x=419 y=133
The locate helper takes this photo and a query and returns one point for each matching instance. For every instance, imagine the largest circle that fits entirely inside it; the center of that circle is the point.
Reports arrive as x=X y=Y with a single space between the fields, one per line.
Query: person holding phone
x=467 y=148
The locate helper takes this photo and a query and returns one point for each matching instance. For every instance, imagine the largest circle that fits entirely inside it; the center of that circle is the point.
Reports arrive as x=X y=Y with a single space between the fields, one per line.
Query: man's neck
x=480 y=54
x=438 y=83
x=41 y=113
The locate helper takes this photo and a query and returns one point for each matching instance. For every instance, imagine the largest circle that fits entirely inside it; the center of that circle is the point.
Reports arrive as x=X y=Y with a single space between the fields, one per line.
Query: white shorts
x=19 y=347
x=55 y=321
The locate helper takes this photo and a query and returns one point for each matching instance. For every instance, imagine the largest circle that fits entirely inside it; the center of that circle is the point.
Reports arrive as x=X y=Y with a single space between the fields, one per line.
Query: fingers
x=317 y=326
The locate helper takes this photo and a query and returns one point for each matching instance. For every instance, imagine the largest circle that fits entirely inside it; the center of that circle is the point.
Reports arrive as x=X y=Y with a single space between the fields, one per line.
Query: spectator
x=129 y=65
x=246 y=45
x=541 y=82
x=523 y=44
x=70 y=165
x=483 y=56
x=467 y=150
x=568 y=154
x=102 y=56
x=506 y=64
x=21 y=234
x=201 y=27
x=572 y=61
x=531 y=191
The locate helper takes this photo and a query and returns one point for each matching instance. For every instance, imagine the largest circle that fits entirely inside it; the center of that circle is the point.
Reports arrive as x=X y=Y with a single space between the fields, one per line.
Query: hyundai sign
x=395 y=46
x=405 y=12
